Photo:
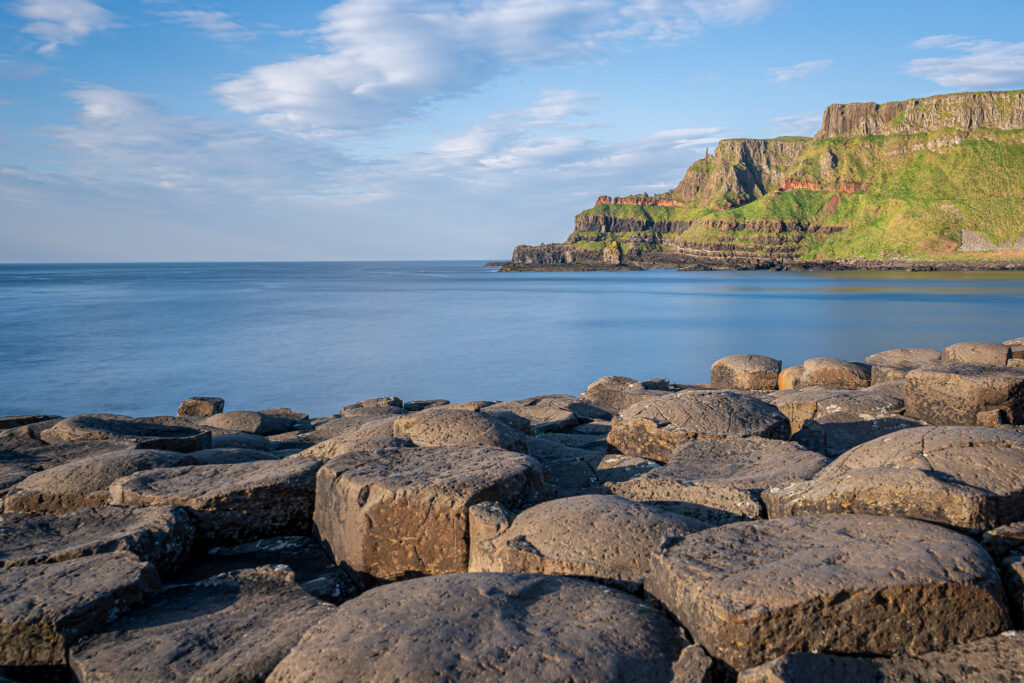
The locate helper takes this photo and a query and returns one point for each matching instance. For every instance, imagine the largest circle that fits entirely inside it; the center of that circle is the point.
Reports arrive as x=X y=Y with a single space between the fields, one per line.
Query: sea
x=136 y=339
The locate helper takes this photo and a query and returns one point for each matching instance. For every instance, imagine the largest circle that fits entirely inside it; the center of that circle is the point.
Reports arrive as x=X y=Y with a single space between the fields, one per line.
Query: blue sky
x=384 y=129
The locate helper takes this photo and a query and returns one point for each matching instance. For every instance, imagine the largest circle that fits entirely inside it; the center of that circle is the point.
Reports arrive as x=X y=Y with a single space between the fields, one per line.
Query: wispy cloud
x=217 y=25
x=782 y=74
x=386 y=59
x=978 y=63
x=61 y=22
x=800 y=124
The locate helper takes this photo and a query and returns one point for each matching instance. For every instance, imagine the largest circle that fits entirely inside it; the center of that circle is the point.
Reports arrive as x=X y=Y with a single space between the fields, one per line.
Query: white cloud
x=800 y=124
x=386 y=59
x=783 y=74
x=979 y=64
x=61 y=22
x=124 y=138
x=217 y=25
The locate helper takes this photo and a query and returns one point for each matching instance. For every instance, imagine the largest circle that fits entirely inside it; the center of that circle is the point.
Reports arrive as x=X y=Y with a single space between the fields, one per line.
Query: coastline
x=739 y=264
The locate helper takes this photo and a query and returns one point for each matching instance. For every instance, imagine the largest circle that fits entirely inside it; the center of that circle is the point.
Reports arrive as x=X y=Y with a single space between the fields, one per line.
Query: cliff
x=933 y=178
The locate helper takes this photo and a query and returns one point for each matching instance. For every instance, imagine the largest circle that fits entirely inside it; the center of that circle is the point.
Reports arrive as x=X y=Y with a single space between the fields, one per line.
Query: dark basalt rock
x=161 y=433
x=955 y=393
x=441 y=427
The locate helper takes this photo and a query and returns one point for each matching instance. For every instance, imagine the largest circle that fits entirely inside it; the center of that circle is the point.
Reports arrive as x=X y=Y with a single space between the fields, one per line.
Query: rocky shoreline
x=836 y=520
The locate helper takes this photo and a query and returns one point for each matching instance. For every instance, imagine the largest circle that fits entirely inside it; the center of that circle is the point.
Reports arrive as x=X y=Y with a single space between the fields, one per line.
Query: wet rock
x=162 y=433
x=833 y=372
x=12 y=421
x=791 y=378
x=720 y=482
x=230 y=503
x=652 y=429
x=458 y=428
x=989 y=353
x=233 y=627
x=568 y=471
x=84 y=482
x=44 y=608
x=894 y=364
x=965 y=477
x=496 y=626
x=834 y=434
x=815 y=403
x=541 y=418
x=753 y=591
x=251 y=422
x=201 y=406
x=397 y=511
x=954 y=393
x=745 y=371
x=161 y=535
x=603 y=537
x=413 y=406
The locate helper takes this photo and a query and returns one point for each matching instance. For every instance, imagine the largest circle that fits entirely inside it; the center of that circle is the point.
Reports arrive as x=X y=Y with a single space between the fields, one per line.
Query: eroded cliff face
x=739 y=172
x=960 y=111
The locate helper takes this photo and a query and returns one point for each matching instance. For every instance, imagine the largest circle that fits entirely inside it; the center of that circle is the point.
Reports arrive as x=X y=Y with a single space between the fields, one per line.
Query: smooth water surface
x=138 y=338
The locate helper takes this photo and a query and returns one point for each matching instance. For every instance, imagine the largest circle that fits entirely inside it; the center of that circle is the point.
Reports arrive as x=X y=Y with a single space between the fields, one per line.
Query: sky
x=167 y=130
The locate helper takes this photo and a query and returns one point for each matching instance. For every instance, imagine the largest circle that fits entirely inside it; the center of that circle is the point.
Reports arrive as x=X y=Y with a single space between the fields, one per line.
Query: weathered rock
x=791 y=378
x=602 y=537
x=472 y=406
x=161 y=535
x=381 y=428
x=44 y=608
x=242 y=440
x=1013 y=581
x=616 y=467
x=753 y=591
x=833 y=372
x=989 y=353
x=998 y=659
x=44 y=456
x=1016 y=347
x=356 y=410
x=542 y=418
x=568 y=471
x=11 y=421
x=230 y=503
x=325 y=450
x=201 y=406
x=813 y=403
x=834 y=434
x=965 y=477
x=721 y=481
x=162 y=433
x=458 y=428
x=652 y=429
x=336 y=428
x=233 y=627
x=954 y=393
x=495 y=627
x=11 y=475
x=84 y=482
x=251 y=422
x=745 y=371
x=590 y=442
x=413 y=406
x=288 y=413
x=1004 y=540
x=486 y=522
x=614 y=394
x=395 y=511
x=893 y=389
x=593 y=428
x=894 y=364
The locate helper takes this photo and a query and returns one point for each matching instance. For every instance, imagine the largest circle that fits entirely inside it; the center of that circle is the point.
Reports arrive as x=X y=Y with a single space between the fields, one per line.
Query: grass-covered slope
x=924 y=190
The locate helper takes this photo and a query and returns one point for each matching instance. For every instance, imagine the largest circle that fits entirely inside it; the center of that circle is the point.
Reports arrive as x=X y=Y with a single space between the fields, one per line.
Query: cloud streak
x=978 y=63
x=784 y=74
x=217 y=25
x=61 y=22
x=385 y=60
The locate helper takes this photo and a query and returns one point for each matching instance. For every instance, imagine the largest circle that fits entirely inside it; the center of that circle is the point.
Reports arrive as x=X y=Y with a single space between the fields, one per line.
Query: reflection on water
x=137 y=338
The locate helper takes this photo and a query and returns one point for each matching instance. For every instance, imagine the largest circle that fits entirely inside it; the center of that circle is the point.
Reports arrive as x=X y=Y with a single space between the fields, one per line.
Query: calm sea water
x=138 y=338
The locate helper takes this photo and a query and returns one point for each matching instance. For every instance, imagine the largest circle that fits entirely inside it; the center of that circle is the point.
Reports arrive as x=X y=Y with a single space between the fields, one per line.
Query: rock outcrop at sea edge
x=645 y=528
x=911 y=185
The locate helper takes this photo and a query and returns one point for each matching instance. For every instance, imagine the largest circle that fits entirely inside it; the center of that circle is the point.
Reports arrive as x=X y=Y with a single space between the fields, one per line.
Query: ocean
x=138 y=338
